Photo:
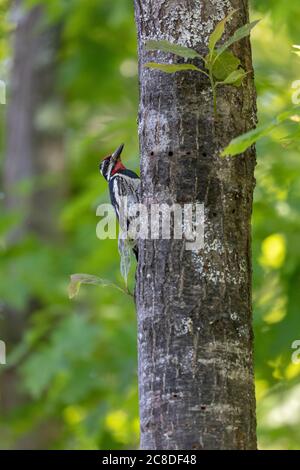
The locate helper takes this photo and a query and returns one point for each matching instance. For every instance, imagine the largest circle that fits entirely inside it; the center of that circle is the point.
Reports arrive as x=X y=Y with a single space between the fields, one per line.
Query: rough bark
x=195 y=339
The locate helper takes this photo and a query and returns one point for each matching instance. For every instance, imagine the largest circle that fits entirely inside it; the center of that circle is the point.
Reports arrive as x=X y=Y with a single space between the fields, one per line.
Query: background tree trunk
x=34 y=138
x=34 y=149
x=195 y=341
x=34 y=155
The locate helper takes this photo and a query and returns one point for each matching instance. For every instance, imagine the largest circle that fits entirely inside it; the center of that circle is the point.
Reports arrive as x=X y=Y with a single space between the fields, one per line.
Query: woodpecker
x=122 y=183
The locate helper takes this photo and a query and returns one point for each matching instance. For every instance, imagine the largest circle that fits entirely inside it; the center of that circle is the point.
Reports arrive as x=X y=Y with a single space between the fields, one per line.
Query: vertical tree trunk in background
x=34 y=150
x=34 y=142
x=195 y=336
x=34 y=147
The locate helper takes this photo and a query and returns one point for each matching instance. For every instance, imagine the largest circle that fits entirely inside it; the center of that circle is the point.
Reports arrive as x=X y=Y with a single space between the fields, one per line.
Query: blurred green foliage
x=77 y=359
x=276 y=223
x=76 y=362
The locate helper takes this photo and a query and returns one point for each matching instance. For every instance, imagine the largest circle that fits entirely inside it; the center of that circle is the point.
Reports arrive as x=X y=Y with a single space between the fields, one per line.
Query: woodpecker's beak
x=117 y=153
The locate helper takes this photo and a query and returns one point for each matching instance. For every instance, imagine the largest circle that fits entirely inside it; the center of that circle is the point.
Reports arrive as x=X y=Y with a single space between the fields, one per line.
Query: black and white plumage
x=123 y=188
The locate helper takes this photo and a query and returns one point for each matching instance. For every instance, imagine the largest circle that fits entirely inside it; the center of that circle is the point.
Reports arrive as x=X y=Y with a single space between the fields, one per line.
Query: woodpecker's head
x=112 y=164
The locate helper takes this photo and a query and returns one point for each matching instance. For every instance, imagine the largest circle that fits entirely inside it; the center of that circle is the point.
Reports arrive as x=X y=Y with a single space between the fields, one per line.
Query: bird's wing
x=124 y=185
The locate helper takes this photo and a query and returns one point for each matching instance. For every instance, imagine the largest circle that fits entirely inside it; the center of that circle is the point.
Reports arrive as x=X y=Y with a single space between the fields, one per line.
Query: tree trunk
x=195 y=339
x=34 y=140
x=34 y=150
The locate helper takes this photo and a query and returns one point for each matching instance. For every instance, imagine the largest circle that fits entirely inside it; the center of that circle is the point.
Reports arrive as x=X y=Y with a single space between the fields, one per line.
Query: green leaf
x=235 y=78
x=78 y=279
x=218 y=32
x=167 y=46
x=224 y=65
x=238 y=35
x=241 y=143
x=171 y=68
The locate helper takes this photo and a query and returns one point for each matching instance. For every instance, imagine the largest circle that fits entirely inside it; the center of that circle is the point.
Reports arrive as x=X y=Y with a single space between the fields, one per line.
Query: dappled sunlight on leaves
x=273 y=251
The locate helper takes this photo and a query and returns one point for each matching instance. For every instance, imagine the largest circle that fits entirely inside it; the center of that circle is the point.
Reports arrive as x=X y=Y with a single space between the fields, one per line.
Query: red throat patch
x=118 y=166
